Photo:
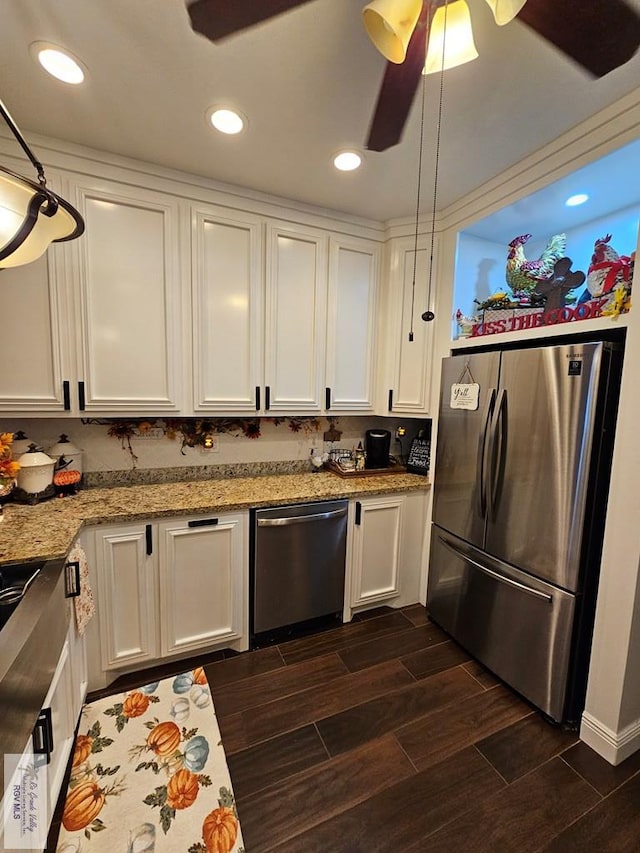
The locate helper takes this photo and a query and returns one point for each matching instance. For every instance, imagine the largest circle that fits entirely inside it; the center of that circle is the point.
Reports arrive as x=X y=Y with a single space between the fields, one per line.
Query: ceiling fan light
x=505 y=10
x=390 y=25
x=459 y=46
x=32 y=217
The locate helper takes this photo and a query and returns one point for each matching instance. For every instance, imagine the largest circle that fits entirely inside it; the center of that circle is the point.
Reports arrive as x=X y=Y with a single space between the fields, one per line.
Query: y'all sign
x=465 y=396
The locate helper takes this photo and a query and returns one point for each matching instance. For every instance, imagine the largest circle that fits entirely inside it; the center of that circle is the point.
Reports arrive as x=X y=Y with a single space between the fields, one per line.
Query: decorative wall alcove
x=612 y=210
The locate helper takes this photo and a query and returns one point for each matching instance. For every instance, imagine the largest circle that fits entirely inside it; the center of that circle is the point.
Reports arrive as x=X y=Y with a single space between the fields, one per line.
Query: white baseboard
x=614 y=747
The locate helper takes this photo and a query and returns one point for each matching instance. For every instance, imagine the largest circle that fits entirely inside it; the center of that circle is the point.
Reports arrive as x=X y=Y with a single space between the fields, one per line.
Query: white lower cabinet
x=170 y=588
x=385 y=550
x=50 y=746
x=127 y=584
x=202 y=568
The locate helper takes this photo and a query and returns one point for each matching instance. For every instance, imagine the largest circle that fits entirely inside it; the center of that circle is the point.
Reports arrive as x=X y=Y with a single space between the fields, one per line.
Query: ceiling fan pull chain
x=428 y=314
x=415 y=236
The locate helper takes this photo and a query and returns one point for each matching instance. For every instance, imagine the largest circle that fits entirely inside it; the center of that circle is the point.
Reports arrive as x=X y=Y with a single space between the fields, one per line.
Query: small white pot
x=72 y=454
x=36 y=471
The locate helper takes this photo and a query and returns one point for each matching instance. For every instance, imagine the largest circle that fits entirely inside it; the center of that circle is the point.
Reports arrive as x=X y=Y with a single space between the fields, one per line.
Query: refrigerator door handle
x=497 y=451
x=502 y=578
x=481 y=480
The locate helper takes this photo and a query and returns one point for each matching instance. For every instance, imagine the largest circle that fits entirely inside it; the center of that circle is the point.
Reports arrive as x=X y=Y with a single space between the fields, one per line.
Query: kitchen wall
x=104 y=453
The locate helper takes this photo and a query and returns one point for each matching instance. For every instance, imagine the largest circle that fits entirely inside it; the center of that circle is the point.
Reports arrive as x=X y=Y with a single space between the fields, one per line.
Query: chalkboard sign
x=419 y=456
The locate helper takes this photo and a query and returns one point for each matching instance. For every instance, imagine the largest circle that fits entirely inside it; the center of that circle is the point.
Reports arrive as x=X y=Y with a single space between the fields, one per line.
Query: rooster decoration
x=523 y=276
x=607 y=269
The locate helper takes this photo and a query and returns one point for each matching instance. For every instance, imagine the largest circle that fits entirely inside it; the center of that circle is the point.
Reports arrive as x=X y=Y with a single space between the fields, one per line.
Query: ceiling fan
x=598 y=36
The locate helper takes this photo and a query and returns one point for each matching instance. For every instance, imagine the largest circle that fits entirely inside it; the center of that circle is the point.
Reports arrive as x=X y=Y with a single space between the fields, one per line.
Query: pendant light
x=454 y=18
x=31 y=215
x=505 y=10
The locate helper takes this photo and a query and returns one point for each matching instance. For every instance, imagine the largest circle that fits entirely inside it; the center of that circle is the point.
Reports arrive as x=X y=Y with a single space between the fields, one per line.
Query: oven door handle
x=300 y=519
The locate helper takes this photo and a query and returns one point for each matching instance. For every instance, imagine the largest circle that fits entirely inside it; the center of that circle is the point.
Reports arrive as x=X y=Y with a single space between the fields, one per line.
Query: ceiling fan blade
x=217 y=19
x=597 y=35
x=399 y=86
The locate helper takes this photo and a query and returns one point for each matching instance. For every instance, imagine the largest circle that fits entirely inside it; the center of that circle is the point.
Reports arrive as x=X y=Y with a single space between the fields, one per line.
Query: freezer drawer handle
x=522 y=587
x=300 y=519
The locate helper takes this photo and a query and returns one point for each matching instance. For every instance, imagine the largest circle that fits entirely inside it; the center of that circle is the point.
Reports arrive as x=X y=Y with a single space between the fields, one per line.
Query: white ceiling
x=307 y=81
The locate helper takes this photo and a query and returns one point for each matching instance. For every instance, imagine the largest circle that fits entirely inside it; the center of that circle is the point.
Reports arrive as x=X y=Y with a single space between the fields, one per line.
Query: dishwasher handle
x=301 y=519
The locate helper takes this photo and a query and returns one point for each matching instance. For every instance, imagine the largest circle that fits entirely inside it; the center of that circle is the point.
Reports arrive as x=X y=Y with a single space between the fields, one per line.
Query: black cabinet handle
x=202 y=522
x=390 y=407
x=257 y=398
x=81 y=396
x=66 y=395
x=358 y=512
x=267 y=397
x=43 y=735
x=149 y=537
x=72 y=579
x=327 y=398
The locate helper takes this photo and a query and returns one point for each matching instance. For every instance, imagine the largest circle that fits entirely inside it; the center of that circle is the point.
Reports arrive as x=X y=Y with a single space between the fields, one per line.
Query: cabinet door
x=130 y=292
x=34 y=344
x=127 y=596
x=202 y=569
x=295 y=320
x=78 y=654
x=410 y=360
x=351 y=325
x=227 y=286
x=375 y=549
x=60 y=701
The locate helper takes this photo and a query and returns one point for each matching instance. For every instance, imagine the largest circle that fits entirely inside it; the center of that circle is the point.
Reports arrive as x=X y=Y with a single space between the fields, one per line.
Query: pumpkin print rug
x=149 y=775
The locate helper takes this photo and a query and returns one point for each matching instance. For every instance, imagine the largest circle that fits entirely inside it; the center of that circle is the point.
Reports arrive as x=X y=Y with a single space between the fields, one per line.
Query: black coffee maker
x=377 y=443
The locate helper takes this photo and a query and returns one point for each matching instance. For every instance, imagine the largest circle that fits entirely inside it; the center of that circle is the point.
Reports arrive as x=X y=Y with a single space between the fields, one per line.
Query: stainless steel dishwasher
x=298 y=566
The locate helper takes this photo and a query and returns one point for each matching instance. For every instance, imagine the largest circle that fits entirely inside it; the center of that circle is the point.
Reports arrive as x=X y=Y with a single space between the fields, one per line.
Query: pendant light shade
x=505 y=10
x=31 y=215
x=457 y=43
x=390 y=25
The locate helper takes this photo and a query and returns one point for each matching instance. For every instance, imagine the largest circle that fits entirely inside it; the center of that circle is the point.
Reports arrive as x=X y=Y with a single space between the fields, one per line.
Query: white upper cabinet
x=295 y=330
x=129 y=284
x=351 y=325
x=33 y=348
x=227 y=310
x=408 y=361
x=35 y=340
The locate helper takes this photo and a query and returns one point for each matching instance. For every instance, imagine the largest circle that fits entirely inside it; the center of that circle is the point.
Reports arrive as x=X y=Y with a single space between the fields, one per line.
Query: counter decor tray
x=393 y=468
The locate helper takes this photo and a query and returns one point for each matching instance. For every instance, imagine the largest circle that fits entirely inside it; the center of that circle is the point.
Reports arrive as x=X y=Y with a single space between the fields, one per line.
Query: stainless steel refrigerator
x=524 y=446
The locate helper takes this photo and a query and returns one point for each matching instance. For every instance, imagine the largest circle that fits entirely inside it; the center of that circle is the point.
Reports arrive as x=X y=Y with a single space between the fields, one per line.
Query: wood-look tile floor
x=383 y=735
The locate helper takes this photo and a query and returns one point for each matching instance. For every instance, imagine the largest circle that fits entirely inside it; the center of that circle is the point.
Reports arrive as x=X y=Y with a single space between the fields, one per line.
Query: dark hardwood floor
x=383 y=735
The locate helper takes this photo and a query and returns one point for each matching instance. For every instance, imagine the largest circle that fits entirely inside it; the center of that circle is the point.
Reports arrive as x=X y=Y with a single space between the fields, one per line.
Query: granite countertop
x=47 y=530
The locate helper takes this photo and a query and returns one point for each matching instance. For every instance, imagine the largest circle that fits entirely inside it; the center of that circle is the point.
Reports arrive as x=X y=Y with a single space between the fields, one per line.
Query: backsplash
x=107 y=460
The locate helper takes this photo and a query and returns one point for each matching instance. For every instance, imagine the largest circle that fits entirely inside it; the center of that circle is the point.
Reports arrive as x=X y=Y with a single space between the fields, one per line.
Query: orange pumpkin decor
x=182 y=789
x=135 y=704
x=82 y=749
x=220 y=830
x=164 y=738
x=198 y=676
x=82 y=806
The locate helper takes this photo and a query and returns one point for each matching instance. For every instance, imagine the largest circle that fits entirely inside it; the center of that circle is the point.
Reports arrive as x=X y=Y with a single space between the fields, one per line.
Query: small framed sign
x=465 y=396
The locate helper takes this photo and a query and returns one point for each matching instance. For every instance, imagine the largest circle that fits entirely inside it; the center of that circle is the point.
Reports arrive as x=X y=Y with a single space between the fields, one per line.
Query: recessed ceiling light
x=226 y=120
x=575 y=200
x=347 y=161
x=58 y=62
